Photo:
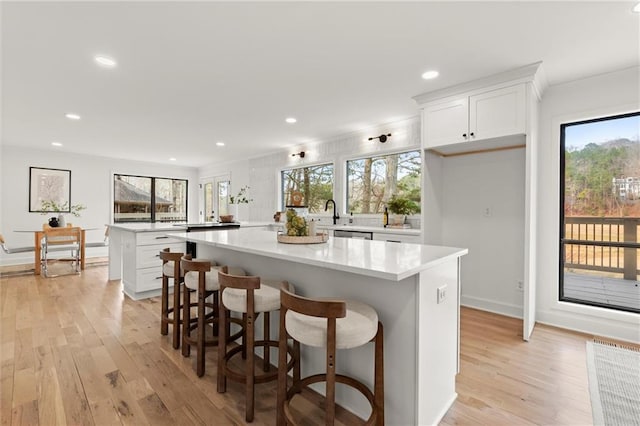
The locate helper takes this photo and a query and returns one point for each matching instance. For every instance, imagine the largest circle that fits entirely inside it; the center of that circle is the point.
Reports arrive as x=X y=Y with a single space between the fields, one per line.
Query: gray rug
x=614 y=383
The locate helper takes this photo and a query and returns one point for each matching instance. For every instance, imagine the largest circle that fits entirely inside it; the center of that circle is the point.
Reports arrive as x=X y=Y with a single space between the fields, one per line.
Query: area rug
x=614 y=383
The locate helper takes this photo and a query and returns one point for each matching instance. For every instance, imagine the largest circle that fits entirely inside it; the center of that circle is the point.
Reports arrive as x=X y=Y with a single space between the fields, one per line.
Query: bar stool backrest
x=246 y=282
x=312 y=307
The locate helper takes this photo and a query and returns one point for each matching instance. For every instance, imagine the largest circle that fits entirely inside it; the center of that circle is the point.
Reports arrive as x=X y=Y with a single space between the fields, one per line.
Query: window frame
x=400 y=150
x=153 y=197
x=281 y=202
x=561 y=225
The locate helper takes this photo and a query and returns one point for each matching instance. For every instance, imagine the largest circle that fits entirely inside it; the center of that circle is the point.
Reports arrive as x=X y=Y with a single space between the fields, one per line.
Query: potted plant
x=400 y=207
x=49 y=206
x=240 y=198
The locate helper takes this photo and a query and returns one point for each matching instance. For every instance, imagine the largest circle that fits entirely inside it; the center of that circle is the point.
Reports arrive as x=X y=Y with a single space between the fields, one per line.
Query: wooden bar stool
x=171 y=315
x=201 y=277
x=247 y=295
x=333 y=324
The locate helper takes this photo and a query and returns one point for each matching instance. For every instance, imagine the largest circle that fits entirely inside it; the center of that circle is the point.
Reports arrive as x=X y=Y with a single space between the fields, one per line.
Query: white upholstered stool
x=333 y=324
x=171 y=315
x=201 y=277
x=247 y=295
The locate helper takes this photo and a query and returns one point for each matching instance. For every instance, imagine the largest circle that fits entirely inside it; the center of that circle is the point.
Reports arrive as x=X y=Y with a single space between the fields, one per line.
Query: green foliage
x=402 y=205
x=241 y=197
x=296 y=225
x=49 y=206
x=589 y=175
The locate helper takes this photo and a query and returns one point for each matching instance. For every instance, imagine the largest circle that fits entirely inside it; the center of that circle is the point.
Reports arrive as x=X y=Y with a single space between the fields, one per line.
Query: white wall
x=471 y=184
x=262 y=173
x=601 y=95
x=90 y=185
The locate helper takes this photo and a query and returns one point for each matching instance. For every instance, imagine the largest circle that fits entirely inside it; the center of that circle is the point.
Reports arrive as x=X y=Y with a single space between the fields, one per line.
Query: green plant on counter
x=296 y=225
x=401 y=205
x=241 y=197
x=49 y=206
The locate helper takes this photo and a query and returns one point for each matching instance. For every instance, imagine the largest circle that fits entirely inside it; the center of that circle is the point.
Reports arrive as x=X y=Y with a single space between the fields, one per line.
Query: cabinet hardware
x=161 y=238
x=464 y=135
x=471 y=134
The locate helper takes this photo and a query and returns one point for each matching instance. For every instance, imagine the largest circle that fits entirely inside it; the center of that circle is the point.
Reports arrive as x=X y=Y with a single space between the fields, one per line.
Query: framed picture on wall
x=49 y=185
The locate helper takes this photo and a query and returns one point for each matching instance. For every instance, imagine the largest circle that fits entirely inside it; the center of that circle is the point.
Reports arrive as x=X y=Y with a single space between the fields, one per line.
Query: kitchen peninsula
x=414 y=288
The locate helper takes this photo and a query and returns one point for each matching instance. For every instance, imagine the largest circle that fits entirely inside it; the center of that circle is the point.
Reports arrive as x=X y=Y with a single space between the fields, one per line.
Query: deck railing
x=606 y=244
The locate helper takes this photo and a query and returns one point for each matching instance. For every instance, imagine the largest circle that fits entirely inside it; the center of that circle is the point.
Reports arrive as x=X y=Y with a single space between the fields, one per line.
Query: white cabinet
x=397 y=238
x=141 y=264
x=475 y=117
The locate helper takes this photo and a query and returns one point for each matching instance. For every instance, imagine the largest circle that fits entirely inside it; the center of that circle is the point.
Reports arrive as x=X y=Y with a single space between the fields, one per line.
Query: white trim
x=512 y=77
x=506 y=309
x=584 y=318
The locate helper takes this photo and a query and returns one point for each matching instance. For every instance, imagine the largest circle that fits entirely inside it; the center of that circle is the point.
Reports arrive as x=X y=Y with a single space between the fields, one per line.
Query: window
x=149 y=199
x=372 y=181
x=314 y=184
x=600 y=212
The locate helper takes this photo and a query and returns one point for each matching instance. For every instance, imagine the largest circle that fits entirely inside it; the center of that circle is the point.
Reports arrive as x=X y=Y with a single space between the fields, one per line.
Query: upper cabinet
x=478 y=114
x=487 y=115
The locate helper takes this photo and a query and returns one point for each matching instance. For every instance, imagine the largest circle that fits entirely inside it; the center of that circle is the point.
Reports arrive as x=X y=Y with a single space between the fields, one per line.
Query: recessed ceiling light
x=56 y=144
x=290 y=120
x=172 y=159
x=72 y=116
x=105 y=61
x=636 y=8
x=220 y=143
x=430 y=74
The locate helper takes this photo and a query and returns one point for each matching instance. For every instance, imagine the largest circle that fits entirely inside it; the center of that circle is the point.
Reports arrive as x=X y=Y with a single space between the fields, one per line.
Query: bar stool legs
x=171 y=315
x=246 y=295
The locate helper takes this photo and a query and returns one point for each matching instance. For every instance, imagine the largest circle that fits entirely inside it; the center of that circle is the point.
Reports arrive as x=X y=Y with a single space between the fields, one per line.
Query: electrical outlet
x=442 y=293
x=520 y=285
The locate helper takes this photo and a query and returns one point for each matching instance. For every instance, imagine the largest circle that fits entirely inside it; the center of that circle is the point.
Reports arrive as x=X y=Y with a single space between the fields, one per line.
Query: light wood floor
x=74 y=350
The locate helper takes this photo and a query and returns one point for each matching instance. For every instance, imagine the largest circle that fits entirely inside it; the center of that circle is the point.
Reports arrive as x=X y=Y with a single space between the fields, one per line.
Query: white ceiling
x=191 y=74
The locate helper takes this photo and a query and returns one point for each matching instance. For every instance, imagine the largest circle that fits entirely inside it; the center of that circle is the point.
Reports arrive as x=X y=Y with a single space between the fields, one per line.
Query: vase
x=233 y=210
x=61 y=221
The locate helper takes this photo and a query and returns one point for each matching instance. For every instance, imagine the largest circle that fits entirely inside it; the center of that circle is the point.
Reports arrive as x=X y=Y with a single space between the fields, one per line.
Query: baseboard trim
x=501 y=308
x=624 y=331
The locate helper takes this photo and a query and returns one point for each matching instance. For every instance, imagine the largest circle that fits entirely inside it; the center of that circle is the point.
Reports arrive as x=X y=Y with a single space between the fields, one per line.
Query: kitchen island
x=414 y=288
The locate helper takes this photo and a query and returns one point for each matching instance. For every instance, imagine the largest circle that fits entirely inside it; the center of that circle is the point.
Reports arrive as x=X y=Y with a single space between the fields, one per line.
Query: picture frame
x=49 y=185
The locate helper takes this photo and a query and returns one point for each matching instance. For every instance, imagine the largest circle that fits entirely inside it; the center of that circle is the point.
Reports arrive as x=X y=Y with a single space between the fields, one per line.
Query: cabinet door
x=445 y=123
x=497 y=113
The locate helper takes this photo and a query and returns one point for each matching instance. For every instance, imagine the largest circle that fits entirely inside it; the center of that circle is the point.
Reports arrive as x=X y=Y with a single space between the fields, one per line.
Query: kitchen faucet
x=335 y=215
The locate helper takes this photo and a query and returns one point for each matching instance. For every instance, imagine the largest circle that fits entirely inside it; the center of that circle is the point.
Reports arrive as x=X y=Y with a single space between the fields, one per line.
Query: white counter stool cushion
x=171 y=315
x=358 y=327
x=266 y=298
x=168 y=268
x=333 y=324
x=211 y=277
x=248 y=295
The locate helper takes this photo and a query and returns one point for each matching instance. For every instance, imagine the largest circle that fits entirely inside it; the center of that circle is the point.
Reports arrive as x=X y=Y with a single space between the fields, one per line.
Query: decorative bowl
x=227 y=218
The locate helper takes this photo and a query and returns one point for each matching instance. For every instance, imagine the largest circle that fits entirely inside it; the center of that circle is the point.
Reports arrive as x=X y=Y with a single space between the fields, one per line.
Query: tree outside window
x=315 y=183
x=372 y=181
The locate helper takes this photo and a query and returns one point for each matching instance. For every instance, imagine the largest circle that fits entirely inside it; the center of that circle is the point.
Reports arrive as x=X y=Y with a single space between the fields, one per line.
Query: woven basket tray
x=312 y=239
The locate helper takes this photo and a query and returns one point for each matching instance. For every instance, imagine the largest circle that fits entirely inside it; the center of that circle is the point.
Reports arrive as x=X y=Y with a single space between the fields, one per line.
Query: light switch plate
x=442 y=293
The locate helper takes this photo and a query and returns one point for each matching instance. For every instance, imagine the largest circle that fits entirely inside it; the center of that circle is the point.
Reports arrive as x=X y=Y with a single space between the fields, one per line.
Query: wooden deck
x=610 y=291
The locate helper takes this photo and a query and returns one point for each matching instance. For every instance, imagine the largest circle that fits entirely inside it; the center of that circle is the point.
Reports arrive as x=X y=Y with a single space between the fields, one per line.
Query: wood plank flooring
x=74 y=350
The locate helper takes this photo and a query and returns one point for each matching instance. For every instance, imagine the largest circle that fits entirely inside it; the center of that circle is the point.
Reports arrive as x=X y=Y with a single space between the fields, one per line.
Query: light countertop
x=380 y=259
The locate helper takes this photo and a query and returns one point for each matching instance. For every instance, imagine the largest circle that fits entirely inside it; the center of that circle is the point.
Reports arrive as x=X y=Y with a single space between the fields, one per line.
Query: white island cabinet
x=401 y=281
x=134 y=256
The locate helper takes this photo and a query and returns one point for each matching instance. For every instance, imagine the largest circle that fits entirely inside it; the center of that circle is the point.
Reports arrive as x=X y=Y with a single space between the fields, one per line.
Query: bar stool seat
x=359 y=326
x=330 y=324
x=266 y=298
